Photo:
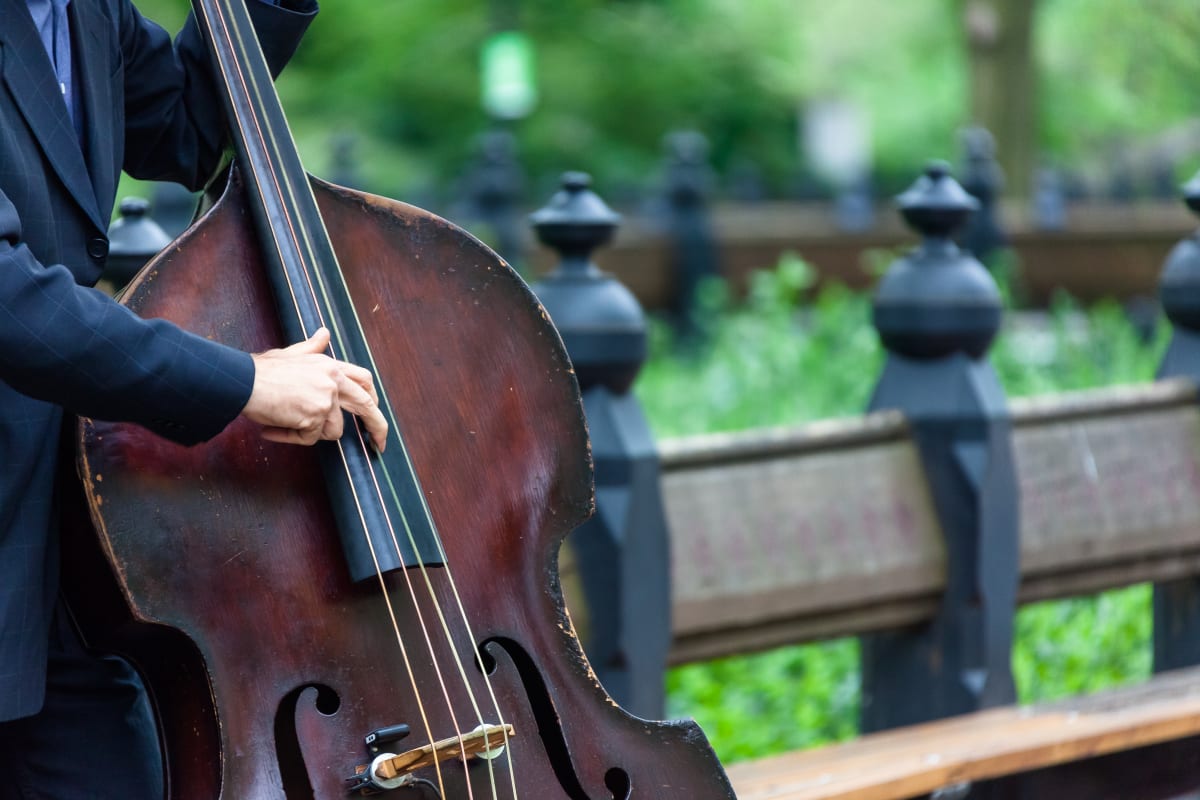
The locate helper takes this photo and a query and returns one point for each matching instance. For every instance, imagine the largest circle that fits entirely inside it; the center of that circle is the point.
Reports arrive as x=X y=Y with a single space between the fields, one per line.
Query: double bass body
x=218 y=570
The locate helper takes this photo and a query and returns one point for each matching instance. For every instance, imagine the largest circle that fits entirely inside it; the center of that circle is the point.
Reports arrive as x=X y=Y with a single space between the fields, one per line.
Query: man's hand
x=299 y=394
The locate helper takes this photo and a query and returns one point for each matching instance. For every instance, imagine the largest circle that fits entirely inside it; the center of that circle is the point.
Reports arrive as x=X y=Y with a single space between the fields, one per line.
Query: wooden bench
x=1133 y=742
x=825 y=530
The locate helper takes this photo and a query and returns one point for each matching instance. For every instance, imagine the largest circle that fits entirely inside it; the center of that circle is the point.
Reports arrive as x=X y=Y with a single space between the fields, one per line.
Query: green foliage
x=614 y=77
x=784 y=356
x=772 y=702
x=1094 y=100
x=1084 y=644
x=1079 y=349
x=763 y=363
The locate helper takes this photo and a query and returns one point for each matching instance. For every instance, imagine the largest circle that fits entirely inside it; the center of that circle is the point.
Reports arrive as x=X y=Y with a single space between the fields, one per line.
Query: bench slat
x=920 y=759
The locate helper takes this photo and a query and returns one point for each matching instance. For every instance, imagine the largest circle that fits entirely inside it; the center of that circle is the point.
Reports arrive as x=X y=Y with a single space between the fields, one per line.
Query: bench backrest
x=828 y=529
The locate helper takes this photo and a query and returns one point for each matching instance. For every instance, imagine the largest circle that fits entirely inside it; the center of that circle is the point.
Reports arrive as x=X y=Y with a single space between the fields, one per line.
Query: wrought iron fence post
x=1049 y=205
x=1177 y=603
x=174 y=207
x=693 y=245
x=982 y=179
x=622 y=551
x=494 y=188
x=937 y=311
x=133 y=239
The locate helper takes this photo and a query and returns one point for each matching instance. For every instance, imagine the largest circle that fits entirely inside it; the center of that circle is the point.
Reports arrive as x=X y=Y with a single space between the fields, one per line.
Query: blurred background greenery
x=612 y=77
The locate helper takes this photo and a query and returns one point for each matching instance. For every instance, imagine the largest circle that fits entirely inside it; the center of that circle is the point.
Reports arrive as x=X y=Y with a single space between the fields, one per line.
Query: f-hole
x=292 y=772
x=553 y=741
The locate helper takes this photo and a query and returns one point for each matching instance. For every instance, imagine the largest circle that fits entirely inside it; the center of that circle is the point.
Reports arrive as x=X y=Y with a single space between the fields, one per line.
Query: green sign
x=507 y=73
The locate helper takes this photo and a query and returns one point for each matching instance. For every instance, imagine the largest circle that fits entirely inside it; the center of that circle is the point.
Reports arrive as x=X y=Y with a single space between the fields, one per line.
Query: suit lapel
x=95 y=92
x=30 y=78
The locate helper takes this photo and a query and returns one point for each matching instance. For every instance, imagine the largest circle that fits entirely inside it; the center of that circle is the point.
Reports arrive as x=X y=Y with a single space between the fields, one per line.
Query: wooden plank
x=1168 y=566
x=720 y=642
x=913 y=761
x=1164 y=771
x=793 y=534
x=1109 y=401
x=760 y=444
x=798 y=535
x=1105 y=489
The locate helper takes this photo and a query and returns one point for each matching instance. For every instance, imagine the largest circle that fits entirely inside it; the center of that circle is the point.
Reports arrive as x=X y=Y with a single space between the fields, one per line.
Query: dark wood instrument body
x=226 y=581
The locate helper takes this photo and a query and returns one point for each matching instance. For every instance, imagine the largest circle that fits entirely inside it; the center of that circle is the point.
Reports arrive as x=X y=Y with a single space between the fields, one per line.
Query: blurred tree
x=1003 y=81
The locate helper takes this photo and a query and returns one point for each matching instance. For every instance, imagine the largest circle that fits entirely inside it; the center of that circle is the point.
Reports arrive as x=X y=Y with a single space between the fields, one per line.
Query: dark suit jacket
x=149 y=107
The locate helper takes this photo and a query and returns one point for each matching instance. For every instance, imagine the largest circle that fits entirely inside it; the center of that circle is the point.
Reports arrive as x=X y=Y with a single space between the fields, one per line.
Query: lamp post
x=508 y=93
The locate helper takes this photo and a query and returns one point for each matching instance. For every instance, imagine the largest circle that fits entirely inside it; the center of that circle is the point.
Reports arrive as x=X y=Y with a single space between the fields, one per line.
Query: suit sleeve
x=174 y=117
x=76 y=347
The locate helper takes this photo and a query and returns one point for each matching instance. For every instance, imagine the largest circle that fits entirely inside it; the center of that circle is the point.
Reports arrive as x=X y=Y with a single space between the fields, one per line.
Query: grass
x=787 y=355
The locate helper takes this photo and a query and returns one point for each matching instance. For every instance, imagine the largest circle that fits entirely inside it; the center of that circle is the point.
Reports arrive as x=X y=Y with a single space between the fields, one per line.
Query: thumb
x=317 y=343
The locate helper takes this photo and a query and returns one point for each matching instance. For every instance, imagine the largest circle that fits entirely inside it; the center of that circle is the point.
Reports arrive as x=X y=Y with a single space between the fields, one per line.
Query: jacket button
x=97 y=247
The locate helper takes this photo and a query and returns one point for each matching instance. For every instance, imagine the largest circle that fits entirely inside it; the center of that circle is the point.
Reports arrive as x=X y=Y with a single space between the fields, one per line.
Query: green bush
x=763 y=362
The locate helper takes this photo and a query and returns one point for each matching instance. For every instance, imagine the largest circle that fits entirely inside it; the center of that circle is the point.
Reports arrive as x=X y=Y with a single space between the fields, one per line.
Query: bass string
x=235 y=70
x=376 y=470
x=387 y=408
x=270 y=141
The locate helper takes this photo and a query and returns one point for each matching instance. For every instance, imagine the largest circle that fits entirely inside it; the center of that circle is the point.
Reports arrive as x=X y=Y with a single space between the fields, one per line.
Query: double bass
x=333 y=622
